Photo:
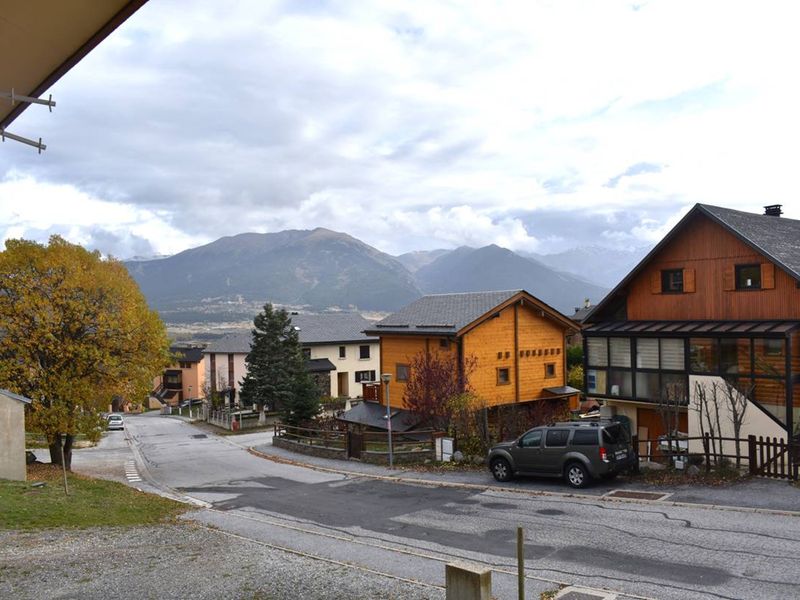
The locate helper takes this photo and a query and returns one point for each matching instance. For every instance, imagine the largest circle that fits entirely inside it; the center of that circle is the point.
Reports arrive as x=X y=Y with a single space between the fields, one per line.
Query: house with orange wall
x=515 y=340
x=718 y=299
x=182 y=380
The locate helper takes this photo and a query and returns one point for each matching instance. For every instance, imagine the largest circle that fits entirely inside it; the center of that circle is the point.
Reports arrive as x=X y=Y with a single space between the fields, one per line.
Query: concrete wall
x=12 y=439
x=755 y=421
x=349 y=364
x=221 y=371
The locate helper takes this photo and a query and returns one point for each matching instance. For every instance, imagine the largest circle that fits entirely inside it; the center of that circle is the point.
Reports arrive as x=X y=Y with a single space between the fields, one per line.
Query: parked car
x=576 y=451
x=116 y=422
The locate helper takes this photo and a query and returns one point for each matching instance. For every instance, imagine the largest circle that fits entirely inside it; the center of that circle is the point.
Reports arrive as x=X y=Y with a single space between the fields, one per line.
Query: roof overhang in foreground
x=40 y=40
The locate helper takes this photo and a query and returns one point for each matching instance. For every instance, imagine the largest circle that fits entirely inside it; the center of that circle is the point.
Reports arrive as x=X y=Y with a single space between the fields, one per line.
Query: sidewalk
x=751 y=495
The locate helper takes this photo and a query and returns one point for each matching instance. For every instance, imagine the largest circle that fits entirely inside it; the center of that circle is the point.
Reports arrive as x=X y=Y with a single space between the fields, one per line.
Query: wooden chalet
x=516 y=341
x=717 y=299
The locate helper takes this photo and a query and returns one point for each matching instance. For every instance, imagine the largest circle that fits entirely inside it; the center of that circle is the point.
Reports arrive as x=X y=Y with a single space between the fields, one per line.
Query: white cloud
x=417 y=124
x=35 y=210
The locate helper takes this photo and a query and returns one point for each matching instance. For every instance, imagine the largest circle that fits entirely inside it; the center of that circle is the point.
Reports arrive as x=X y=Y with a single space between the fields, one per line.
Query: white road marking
x=131 y=473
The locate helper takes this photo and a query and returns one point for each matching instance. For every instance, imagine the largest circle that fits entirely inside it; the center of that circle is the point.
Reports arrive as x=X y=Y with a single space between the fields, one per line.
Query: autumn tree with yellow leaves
x=75 y=331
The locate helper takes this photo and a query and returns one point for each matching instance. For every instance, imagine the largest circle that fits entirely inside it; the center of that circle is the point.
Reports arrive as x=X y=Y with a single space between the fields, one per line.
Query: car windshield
x=615 y=434
x=115 y=418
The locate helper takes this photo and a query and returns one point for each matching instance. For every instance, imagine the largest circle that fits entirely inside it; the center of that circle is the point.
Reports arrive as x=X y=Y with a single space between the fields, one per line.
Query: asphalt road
x=411 y=531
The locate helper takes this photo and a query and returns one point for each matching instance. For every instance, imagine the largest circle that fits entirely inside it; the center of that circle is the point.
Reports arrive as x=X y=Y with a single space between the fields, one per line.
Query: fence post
x=635 y=444
x=707 y=451
x=751 y=454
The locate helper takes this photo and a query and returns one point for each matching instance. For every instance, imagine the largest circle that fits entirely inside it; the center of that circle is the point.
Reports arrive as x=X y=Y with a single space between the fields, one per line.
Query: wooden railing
x=766 y=457
x=336 y=440
x=405 y=445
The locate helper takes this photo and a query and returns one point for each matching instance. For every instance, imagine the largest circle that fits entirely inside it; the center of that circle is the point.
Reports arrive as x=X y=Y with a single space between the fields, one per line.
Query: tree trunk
x=68 y=439
x=55 y=450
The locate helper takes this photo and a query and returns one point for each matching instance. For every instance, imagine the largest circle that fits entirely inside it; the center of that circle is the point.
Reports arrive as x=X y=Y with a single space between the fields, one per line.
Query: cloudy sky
x=413 y=125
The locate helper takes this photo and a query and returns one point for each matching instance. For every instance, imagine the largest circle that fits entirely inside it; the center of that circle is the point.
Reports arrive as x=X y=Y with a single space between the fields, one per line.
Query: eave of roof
x=696 y=209
x=73 y=59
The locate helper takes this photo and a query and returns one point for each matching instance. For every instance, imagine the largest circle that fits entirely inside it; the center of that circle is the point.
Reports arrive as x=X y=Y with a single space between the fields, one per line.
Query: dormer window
x=748 y=277
x=672 y=281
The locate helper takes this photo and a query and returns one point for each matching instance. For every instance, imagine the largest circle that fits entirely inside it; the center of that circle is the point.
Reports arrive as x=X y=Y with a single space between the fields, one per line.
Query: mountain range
x=321 y=269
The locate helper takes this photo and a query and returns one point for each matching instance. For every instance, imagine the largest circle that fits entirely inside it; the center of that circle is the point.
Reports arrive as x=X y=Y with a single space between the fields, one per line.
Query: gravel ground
x=176 y=561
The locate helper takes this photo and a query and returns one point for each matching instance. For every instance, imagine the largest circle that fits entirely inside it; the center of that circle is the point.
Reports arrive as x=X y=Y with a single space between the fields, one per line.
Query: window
x=734 y=356
x=597 y=352
x=556 y=438
x=703 y=355
x=362 y=376
x=185 y=365
x=673 y=387
x=401 y=372
x=503 y=376
x=619 y=383
x=596 y=381
x=585 y=437
x=342 y=352
x=363 y=352
x=748 y=277
x=672 y=354
x=672 y=281
x=647 y=353
x=768 y=357
x=620 y=352
x=550 y=370
x=647 y=386
x=532 y=439
x=307 y=353
x=444 y=343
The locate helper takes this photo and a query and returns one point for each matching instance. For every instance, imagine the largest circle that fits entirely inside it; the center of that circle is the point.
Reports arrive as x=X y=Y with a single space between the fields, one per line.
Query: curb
x=534 y=493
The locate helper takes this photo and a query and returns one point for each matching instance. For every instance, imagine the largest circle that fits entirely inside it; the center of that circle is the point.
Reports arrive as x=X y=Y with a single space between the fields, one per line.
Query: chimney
x=587 y=303
x=773 y=210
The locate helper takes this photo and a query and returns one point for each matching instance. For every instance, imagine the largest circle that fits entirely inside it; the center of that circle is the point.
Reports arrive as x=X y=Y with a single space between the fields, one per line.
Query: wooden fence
x=765 y=457
x=371 y=446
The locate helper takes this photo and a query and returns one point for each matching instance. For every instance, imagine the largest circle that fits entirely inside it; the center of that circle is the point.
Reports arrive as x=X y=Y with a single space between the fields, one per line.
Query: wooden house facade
x=716 y=301
x=513 y=342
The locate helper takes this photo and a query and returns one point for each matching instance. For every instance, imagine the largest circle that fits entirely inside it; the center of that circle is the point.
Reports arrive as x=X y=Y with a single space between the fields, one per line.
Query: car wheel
x=501 y=469
x=576 y=475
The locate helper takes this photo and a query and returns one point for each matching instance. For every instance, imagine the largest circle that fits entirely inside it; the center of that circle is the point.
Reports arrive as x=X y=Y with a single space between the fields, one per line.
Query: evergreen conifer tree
x=276 y=372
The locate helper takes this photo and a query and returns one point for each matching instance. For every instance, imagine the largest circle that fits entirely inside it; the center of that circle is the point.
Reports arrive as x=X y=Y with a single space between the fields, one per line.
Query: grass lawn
x=91 y=503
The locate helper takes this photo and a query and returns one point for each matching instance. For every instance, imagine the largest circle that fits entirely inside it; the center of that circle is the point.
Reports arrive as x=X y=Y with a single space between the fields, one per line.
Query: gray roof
x=373 y=415
x=777 y=238
x=187 y=353
x=442 y=313
x=14 y=396
x=319 y=365
x=231 y=343
x=332 y=328
x=563 y=390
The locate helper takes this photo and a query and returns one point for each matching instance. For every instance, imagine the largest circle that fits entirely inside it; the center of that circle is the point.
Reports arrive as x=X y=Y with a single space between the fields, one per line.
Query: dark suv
x=576 y=451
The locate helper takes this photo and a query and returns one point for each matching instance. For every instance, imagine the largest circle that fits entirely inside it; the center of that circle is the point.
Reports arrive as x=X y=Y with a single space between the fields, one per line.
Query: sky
x=537 y=126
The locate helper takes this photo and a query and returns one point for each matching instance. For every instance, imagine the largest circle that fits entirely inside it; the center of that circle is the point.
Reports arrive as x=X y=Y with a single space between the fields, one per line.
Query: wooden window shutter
x=688 y=281
x=729 y=278
x=655 y=282
x=767 y=276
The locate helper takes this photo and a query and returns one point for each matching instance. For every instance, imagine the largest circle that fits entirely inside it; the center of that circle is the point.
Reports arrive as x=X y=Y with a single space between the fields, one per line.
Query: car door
x=555 y=445
x=528 y=452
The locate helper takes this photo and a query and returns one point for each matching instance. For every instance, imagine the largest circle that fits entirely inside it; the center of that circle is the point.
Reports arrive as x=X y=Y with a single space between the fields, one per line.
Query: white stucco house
x=12 y=435
x=338 y=354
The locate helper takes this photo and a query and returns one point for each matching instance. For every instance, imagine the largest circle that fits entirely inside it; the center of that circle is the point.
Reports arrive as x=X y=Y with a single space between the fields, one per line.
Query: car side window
x=556 y=438
x=532 y=439
x=585 y=437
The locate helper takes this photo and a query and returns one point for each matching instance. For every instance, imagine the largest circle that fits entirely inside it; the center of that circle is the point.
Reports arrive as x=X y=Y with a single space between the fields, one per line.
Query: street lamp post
x=386 y=378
